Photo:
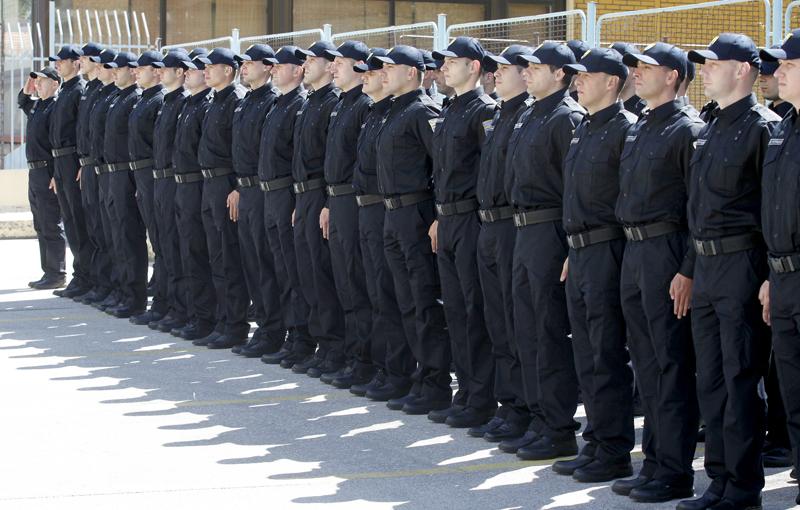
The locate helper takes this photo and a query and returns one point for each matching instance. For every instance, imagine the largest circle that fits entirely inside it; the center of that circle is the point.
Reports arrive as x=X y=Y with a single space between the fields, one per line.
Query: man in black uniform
x=632 y=102
x=768 y=85
x=725 y=221
x=780 y=211
x=257 y=258
x=405 y=167
x=130 y=245
x=214 y=153
x=141 y=123
x=41 y=195
x=194 y=230
x=326 y=321
x=656 y=273
x=63 y=137
x=172 y=75
x=496 y=250
x=275 y=157
x=339 y=218
x=457 y=140
x=592 y=270
x=537 y=147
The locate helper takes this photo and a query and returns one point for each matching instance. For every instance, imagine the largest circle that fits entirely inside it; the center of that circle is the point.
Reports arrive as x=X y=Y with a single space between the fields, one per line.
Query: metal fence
x=225 y=42
x=301 y=38
x=791 y=19
x=422 y=35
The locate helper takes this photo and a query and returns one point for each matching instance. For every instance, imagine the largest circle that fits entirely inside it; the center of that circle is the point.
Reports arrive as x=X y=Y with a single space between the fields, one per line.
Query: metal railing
x=422 y=35
x=300 y=38
x=225 y=42
x=788 y=22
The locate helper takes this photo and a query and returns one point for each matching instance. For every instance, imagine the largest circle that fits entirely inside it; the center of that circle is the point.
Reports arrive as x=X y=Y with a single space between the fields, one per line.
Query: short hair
x=566 y=81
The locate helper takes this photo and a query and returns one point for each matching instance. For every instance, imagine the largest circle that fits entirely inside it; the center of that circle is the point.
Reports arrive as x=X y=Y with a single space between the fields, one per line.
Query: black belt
x=140 y=164
x=100 y=169
x=115 y=167
x=276 y=184
x=63 y=151
x=496 y=214
x=723 y=245
x=365 y=200
x=163 y=174
x=594 y=236
x=88 y=161
x=309 y=185
x=247 y=182
x=525 y=218
x=339 y=190
x=392 y=203
x=187 y=178
x=644 y=232
x=210 y=173
x=33 y=165
x=460 y=207
x=785 y=264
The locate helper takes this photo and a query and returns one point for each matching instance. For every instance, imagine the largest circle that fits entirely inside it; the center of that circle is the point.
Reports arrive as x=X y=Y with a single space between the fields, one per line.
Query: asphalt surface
x=98 y=413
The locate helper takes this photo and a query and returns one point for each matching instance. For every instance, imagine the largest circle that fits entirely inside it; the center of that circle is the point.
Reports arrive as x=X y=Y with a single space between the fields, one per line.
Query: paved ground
x=98 y=414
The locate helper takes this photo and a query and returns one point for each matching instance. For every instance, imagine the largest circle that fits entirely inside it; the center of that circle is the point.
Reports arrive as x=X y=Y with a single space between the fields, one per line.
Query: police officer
x=781 y=224
x=194 y=230
x=537 y=148
x=41 y=195
x=657 y=272
x=405 y=148
x=141 y=123
x=579 y=48
x=768 y=85
x=214 y=153
x=339 y=219
x=457 y=139
x=326 y=321
x=630 y=99
x=63 y=137
x=592 y=270
x=275 y=174
x=495 y=250
x=257 y=258
x=725 y=221
x=172 y=76
x=390 y=351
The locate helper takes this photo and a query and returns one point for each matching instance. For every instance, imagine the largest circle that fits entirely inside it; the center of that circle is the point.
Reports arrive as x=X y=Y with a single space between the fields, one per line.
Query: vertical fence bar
x=235 y=44
x=440 y=42
x=69 y=26
x=127 y=25
x=327 y=34
x=81 y=40
x=146 y=30
x=10 y=59
x=51 y=27
x=60 y=29
x=89 y=25
x=119 y=30
x=108 y=29
x=135 y=17
x=591 y=24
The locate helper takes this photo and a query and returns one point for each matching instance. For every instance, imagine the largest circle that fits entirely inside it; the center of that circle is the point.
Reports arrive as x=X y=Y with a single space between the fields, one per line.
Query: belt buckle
x=299 y=187
x=636 y=233
x=439 y=209
x=484 y=215
x=391 y=203
x=206 y=174
x=519 y=219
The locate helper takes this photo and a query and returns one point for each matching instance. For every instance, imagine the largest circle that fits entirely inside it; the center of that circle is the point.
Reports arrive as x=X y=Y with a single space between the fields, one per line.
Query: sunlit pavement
x=96 y=413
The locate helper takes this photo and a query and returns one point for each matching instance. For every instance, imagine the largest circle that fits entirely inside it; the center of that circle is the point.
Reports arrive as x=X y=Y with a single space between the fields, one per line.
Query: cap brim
x=497 y=59
x=331 y=54
x=243 y=58
x=440 y=55
x=95 y=59
x=361 y=68
x=302 y=54
x=53 y=58
x=525 y=60
x=188 y=65
x=574 y=69
x=379 y=60
x=772 y=54
x=158 y=64
x=700 y=56
x=633 y=59
x=204 y=60
x=132 y=64
x=111 y=65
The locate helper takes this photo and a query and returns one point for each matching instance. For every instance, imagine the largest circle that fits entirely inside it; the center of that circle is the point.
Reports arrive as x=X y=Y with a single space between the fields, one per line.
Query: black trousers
x=495 y=261
x=225 y=258
x=114 y=273
x=730 y=364
x=69 y=199
x=416 y=282
x=201 y=298
x=457 y=255
x=326 y=320
x=47 y=222
x=100 y=261
x=130 y=243
x=145 y=199
x=169 y=258
x=350 y=279
x=542 y=326
x=294 y=308
x=598 y=342
x=661 y=350
x=389 y=347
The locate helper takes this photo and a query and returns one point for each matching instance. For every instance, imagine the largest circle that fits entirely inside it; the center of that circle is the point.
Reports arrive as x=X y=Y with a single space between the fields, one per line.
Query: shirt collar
x=263 y=91
x=322 y=91
x=602 y=117
x=547 y=104
x=467 y=97
x=352 y=94
x=128 y=90
x=220 y=95
x=733 y=111
x=408 y=97
x=200 y=96
x=71 y=82
x=514 y=102
x=663 y=111
x=152 y=91
x=169 y=96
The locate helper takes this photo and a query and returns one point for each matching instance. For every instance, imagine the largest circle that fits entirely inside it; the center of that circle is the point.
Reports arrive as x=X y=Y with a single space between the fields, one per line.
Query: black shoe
x=490 y=426
x=126 y=312
x=68 y=293
x=326 y=367
x=507 y=431
x=225 y=342
x=624 y=487
x=600 y=471
x=397 y=403
x=424 y=405
x=194 y=332
x=260 y=347
x=275 y=358
x=513 y=445
x=568 y=467
x=328 y=377
x=656 y=491
x=469 y=417
x=165 y=326
x=55 y=283
x=441 y=416
x=701 y=434
x=793 y=474
x=347 y=381
x=546 y=448
x=93 y=297
x=40 y=280
x=109 y=302
x=707 y=500
x=777 y=458
x=378 y=380
x=205 y=340
x=727 y=504
x=146 y=318
x=301 y=367
x=388 y=392
x=293 y=359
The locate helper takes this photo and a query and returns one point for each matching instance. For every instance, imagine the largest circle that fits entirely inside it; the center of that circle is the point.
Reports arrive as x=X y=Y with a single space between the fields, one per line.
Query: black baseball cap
x=256 y=53
x=660 y=54
x=600 y=60
x=220 y=56
x=690 y=70
x=285 y=55
x=549 y=53
x=173 y=59
x=92 y=49
x=315 y=50
x=728 y=46
x=462 y=47
x=46 y=72
x=509 y=55
x=578 y=47
x=624 y=48
x=198 y=52
x=788 y=50
x=369 y=64
x=487 y=64
x=122 y=59
x=147 y=59
x=356 y=50
x=400 y=55
x=430 y=62
x=105 y=56
x=67 y=52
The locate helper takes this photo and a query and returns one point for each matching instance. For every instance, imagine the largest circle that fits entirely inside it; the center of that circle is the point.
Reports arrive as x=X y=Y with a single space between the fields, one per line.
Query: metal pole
x=591 y=24
x=442 y=39
x=127 y=29
x=80 y=27
x=235 y=43
x=119 y=31
x=60 y=29
x=89 y=25
x=135 y=17
x=326 y=32
x=777 y=22
x=146 y=30
x=13 y=87
x=51 y=29
x=69 y=26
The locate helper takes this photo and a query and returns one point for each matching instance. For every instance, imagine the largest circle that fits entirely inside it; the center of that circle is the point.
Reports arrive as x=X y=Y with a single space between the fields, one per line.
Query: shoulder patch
x=766 y=113
x=573 y=105
x=530 y=101
x=630 y=117
x=487 y=100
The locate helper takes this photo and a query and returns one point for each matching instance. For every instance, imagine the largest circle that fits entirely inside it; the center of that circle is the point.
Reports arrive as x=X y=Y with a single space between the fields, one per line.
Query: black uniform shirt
x=365 y=175
x=538 y=144
x=88 y=100
x=65 y=113
x=346 y=120
x=490 y=189
x=457 y=141
x=781 y=109
x=215 y=149
x=591 y=169
x=405 y=144
x=277 y=138
x=97 y=120
x=635 y=105
x=188 y=132
x=248 y=121
x=780 y=205
x=38 y=112
x=164 y=132
x=311 y=133
x=142 y=121
x=117 y=135
x=725 y=185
